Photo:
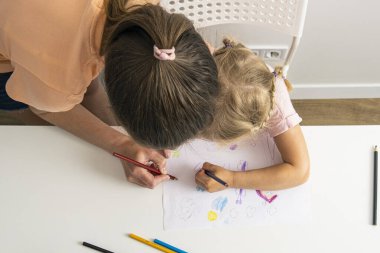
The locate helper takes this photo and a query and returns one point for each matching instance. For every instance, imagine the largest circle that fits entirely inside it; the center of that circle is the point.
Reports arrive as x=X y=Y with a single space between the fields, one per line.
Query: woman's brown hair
x=160 y=103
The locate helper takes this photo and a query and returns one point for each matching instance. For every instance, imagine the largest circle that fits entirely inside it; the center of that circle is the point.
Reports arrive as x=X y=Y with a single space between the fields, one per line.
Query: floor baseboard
x=335 y=91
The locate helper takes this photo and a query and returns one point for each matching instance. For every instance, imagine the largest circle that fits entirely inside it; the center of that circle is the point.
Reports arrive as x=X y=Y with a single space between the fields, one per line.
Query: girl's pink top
x=283 y=116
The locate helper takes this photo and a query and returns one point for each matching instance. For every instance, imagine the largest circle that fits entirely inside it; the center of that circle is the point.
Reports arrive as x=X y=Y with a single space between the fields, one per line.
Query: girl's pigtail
x=272 y=101
x=229 y=43
x=278 y=71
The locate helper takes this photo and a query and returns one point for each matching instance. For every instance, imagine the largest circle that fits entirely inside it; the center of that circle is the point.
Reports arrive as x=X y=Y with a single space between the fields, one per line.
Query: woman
x=160 y=76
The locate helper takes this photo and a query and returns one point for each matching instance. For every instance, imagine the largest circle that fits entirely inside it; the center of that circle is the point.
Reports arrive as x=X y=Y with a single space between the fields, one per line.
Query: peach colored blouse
x=52 y=47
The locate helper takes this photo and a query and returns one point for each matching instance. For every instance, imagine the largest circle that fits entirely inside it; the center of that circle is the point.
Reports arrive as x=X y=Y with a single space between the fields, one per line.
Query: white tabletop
x=57 y=191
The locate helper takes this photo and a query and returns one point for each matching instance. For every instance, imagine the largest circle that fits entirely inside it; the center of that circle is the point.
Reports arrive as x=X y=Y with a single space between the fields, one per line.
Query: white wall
x=339 y=54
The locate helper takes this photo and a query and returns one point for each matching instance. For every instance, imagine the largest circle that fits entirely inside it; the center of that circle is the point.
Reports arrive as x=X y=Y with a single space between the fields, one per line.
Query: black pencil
x=374 y=220
x=96 y=247
x=210 y=174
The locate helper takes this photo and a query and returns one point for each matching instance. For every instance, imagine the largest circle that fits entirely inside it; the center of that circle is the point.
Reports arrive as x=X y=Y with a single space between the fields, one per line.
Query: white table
x=57 y=191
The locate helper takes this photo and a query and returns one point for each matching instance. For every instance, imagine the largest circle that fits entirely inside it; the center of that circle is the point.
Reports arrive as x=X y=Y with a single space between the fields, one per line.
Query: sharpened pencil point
x=376 y=149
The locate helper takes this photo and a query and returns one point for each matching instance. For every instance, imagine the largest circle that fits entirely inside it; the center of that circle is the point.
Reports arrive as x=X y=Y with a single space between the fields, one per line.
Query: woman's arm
x=82 y=123
x=292 y=172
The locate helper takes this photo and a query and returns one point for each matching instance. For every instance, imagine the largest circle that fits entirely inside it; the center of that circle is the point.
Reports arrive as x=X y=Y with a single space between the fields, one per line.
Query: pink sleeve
x=283 y=116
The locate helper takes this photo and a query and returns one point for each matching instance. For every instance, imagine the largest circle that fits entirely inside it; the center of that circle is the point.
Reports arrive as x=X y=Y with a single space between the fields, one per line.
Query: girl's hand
x=141 y=176
x=208 y=183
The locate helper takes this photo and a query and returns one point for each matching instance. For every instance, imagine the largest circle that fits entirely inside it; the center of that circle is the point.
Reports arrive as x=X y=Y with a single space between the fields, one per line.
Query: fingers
x=139 y=176
x=159 y=161
x=209 y=167
x=144 y=178
x=147 y=156
x=167 y=153
x=200 y=183
x=136 y=181
x=159 y=179
x=202 y=179
x=206 y=182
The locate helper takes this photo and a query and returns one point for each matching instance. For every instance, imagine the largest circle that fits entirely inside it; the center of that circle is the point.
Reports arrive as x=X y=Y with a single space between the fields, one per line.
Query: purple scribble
x=239 y=199
x=244 y=166
x=233 y=146
x=269 y=200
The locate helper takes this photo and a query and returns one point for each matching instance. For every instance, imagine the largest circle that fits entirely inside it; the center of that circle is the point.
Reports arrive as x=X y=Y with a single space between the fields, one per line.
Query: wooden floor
x=316 y=112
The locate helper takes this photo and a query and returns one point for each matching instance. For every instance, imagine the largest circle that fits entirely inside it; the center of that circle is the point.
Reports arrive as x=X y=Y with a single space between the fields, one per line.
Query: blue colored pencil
x=164 y=244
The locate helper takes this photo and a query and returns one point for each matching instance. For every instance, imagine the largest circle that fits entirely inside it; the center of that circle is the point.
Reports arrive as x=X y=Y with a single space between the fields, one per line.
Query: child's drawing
x=233 y=147
x=241 y=192
x=176 y=153
x=250 y=211
x=199 y=189
x=188 y=206
x=268 y=198
x=212 y=216
x=219 y=203
x=185 y=208
x=198 y=166
x=217 y=206
x=234 y=213
x=272 y=210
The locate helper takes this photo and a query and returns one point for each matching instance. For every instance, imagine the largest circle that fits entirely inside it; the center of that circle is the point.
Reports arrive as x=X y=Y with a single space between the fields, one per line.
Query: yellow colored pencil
x=151 y=244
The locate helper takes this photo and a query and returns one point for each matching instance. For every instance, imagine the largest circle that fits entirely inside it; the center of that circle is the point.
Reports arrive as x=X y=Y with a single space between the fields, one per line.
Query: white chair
x=286 y=16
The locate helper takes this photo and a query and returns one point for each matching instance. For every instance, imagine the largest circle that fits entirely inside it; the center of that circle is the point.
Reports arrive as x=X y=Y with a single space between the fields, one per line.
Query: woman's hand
x=143 y=155
x=208 y=183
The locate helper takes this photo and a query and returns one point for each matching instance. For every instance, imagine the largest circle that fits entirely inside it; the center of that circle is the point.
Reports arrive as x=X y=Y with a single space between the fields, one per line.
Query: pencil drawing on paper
x=217 y=206
x=219 y=203
x=241 y=192
x=212 y=215
x=187 y=205
x=176 y=153
x=250 y=211
x=185 y=208
x=233 y=147
x=265 y=197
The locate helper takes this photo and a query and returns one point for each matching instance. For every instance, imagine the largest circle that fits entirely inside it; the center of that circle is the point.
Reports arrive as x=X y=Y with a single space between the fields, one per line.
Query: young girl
x=253 y=99
x=159 y=74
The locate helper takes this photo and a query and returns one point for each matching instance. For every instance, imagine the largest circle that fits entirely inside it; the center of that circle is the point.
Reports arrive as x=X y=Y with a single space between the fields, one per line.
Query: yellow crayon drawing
x=212 y=215
x=176 y=154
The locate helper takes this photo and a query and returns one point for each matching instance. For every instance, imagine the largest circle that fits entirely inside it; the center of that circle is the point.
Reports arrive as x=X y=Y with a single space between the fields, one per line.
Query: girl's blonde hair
x=247 y=93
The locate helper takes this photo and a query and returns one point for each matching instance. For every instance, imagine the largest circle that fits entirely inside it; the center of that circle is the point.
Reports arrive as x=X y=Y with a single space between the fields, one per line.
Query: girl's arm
x=292 y=172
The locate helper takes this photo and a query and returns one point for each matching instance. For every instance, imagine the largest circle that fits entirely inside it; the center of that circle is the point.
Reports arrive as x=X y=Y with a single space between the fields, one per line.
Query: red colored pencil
x=151 y=168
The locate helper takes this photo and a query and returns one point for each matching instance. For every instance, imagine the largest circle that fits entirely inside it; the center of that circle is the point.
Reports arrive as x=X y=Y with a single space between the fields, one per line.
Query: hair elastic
x=227 y=45
x=274 y=73
x=164 y=54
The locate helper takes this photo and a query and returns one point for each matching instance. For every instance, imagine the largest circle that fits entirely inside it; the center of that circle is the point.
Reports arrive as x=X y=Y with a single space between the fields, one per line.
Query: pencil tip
x=376 y=149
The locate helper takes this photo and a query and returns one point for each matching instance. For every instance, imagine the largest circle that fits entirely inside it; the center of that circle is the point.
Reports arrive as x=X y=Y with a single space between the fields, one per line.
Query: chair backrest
x=286 y=16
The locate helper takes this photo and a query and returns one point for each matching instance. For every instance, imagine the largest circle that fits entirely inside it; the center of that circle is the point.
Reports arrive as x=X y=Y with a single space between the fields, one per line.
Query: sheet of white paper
x=187 y=206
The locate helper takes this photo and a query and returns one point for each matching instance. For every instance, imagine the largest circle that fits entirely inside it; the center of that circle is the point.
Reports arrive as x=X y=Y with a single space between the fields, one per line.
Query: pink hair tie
x=164 y=54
